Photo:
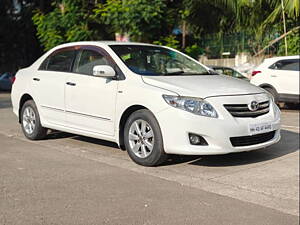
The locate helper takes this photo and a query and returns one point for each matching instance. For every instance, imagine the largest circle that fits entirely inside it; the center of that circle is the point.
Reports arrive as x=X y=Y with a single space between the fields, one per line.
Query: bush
x=194 y=51
x=67 y=22
x=169 y=41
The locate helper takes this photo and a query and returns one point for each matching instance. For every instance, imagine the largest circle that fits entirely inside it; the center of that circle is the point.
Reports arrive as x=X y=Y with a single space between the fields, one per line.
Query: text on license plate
x=260 y=128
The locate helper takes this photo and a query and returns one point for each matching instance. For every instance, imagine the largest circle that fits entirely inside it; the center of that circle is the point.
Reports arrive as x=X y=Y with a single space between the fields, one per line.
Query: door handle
x=36 y=79
x=71 y=84
x=273 y=75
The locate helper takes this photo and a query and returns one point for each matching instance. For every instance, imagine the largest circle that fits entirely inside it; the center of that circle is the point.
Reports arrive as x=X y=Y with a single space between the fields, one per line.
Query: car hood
x=203 y=86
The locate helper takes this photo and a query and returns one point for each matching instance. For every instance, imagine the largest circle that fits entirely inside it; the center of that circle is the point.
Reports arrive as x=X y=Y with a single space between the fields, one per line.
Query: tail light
x=255 y=72
x=13 y=79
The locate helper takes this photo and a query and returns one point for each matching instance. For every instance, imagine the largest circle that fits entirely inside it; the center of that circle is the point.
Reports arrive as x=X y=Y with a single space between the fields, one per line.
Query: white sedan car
x=151 y=100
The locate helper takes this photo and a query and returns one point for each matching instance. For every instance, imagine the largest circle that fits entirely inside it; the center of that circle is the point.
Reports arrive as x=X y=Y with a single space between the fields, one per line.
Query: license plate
x=260 y=128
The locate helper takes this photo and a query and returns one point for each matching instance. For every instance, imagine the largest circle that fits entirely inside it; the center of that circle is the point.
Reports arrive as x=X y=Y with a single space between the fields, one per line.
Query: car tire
x=273 y=93
x=143 y=139
x=30 y=122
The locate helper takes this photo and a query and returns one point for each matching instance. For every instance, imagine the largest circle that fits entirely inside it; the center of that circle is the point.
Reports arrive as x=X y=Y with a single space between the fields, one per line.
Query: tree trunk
x=276 y=40
x=183 y=34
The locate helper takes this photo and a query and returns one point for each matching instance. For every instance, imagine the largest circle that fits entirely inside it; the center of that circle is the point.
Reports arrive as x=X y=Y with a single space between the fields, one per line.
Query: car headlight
x=197 y=106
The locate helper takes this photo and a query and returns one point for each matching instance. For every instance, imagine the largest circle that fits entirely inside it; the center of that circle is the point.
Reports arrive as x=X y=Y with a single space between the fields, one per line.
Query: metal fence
x=227 y=46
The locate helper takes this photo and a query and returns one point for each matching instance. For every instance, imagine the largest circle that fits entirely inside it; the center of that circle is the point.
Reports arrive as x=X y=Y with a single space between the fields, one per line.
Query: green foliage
x=112 y=13
x=141 y=19
x=291 y=11
x=293 y=43
x=169 y=41
x=207 y=17
x=194 y=51
x=214 y=25
x=261 y=20
x=67 y=22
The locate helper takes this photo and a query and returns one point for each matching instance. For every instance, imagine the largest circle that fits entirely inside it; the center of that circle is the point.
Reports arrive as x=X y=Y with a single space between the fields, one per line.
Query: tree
x=261 y=19
x=141 y=19
x=69 y=21
x=207 y=17
x=18 y=43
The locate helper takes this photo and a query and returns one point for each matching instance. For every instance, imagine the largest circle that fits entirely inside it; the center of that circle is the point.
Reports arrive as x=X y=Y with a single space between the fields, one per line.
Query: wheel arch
x=125 y=115
x=24 y=98
x=265 y=85
x=273 y=91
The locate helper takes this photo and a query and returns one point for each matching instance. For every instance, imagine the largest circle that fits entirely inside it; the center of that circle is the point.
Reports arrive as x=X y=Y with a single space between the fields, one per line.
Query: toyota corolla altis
x=151 y=100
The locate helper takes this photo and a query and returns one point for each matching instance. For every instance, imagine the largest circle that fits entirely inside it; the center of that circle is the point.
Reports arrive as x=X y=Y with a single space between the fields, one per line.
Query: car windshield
x=158 y=61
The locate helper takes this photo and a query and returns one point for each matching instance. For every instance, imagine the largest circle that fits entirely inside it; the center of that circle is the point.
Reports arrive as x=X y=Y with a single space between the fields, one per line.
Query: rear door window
x=59 y=61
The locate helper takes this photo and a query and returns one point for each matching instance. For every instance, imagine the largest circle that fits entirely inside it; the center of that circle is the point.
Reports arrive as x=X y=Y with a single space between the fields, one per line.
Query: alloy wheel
x=141 y=138
x=29 y=120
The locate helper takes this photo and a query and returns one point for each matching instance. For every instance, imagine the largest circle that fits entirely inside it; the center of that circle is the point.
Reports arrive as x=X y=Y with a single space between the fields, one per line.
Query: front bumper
x=176 y=124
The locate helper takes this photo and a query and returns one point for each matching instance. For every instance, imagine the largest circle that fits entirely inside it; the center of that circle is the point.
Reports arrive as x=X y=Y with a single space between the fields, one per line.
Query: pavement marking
x=289 y=206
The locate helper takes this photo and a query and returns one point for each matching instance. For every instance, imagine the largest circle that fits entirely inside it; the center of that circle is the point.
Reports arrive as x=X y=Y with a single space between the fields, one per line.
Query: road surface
x=70 y=179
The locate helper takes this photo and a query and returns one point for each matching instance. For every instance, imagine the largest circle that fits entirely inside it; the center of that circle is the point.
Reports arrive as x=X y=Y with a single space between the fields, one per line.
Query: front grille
x=242 y=110
x=252 y=140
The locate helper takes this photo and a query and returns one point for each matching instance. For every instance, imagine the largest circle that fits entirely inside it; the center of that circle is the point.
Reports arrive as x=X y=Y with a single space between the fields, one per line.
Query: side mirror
x=103 y=71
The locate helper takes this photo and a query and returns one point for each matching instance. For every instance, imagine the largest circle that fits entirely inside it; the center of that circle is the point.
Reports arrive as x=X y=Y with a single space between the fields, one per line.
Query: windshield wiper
x=204 y=73
x=179 y=72
x=209 y=72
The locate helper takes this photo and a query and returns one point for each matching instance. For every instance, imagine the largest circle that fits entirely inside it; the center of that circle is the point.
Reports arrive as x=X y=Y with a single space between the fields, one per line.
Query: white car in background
x=280 y=77
x=149 y=99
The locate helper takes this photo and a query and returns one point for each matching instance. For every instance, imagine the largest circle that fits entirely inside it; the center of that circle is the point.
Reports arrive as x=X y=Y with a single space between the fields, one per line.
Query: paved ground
x=70 y=179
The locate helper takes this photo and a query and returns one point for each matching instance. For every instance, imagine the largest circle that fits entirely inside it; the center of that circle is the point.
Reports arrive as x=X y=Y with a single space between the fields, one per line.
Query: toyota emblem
x=253 y=106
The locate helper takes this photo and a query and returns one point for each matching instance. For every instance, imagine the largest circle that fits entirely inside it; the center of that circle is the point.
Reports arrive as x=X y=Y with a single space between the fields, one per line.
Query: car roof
x=269 y=61
x=102 y=43
x=282 y=57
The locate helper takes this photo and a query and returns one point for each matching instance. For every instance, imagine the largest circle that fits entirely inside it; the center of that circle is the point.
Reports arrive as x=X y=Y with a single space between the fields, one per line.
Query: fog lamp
x=197 y=139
